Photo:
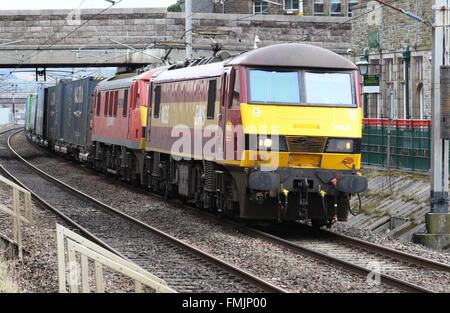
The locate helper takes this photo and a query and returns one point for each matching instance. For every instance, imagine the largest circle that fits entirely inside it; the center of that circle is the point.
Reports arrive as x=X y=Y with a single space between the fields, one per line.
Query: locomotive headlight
x=340 y=145
x=265 y=142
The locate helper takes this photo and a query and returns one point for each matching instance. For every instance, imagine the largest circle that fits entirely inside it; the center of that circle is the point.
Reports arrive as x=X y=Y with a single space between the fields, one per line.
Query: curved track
x=400 y=270
x=183 y=266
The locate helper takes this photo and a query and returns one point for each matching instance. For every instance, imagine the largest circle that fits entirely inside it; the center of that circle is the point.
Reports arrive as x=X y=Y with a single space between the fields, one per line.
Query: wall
x=151 y=31
x=395 y=32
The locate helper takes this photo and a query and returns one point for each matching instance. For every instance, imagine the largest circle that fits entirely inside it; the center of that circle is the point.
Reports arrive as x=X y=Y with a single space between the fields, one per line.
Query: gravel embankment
x=294 y=272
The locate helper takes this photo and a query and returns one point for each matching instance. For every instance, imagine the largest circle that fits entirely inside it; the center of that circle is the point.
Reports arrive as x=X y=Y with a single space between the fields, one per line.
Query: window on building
x=335 y=7
x=351 y=4
x=389 y=66
x=421 y=103
x=388 y=87
x=374 y=109
x=417 y=85
x=260 y=7
x=291 y=4
x=318 y=7
x=418 y=62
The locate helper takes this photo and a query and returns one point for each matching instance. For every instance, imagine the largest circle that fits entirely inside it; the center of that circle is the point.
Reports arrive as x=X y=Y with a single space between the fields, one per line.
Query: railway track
x=184 y=267
x=397 y=269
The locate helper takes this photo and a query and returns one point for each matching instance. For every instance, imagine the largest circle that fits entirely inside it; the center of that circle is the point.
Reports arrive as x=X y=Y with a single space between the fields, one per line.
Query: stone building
x=387 y=34
x=275 y=7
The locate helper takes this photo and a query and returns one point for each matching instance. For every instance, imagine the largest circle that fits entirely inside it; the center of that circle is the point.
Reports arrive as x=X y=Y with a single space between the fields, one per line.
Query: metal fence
x=408 y=142
x=81 y=252
x=19 y=209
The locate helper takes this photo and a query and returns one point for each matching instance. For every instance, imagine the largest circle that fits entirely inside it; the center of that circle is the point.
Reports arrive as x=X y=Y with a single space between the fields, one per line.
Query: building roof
x=293 y=55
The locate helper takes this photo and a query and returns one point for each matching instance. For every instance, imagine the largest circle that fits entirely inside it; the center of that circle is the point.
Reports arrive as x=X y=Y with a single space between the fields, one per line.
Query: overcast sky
x=72 y=4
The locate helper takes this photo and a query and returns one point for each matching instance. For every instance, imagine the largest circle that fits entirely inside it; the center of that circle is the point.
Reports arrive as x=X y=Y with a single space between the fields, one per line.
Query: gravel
x=297 y=273
x=182 y=271
x=408 y=247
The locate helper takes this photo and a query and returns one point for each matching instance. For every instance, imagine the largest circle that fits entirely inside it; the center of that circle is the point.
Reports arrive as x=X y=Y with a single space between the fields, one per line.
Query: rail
x=101 y=257
x=18 y=213
x=232 y=269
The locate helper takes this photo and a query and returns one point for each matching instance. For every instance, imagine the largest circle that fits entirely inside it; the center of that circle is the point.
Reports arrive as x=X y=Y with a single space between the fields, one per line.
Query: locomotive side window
x=157 y=101
x=138 y=99
x=125 y=103
x=105 y=112
x=111 y=103
x=99 y=97
x=271 y=86
x=334 y=89
x=211 y=99
x=116 y=100
x=236 y=90
x=120 y=101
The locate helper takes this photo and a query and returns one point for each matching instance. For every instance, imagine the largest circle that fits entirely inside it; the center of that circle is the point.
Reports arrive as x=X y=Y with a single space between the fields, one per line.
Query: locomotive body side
x=119 y=122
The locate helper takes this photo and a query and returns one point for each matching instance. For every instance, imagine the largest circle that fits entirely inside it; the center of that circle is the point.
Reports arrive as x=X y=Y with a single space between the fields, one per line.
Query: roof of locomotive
x=195 y=72
x=124 y=80
x=280 y=55
x=115 y=83
x=293 y=55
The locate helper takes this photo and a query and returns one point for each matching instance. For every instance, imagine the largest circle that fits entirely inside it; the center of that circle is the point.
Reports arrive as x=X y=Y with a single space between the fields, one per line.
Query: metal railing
x=409 y=146
x=20 y=214
x=87 y=250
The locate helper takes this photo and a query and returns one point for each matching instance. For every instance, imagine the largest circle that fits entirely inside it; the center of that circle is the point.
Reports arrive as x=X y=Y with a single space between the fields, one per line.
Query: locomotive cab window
x=157 y=101
x=138 y=99
x=99 y=97
x=125 y=103
x=332 y=89
x=272 y=86
x=235 y=101
x=211 y=99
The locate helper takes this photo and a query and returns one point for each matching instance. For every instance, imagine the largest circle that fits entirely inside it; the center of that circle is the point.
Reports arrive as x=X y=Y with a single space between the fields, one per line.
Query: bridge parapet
x=140 y=36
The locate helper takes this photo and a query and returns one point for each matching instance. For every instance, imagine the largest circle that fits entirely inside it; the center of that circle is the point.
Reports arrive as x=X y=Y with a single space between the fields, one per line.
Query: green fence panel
x=409 y=144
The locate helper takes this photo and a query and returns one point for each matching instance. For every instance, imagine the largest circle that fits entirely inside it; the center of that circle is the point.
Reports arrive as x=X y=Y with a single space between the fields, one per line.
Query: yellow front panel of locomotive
x=302 y=120
x=331 y=161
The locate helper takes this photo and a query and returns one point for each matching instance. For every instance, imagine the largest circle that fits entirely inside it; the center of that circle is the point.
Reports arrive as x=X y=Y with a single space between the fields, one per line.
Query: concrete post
x=438 y=220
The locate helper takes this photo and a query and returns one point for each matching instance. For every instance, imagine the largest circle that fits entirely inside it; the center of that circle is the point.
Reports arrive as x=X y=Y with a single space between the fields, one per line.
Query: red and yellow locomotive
x=271 y=134
x=282 y=125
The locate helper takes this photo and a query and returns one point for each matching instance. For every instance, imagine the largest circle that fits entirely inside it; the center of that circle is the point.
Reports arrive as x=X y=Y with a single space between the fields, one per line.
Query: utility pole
x=438 y=220
x=188 y=11
x=439 y=146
